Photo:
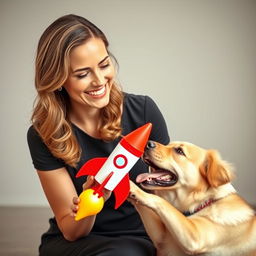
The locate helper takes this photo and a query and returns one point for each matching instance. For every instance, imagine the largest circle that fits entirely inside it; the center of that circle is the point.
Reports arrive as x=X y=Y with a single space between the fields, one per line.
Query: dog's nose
x=151 y=144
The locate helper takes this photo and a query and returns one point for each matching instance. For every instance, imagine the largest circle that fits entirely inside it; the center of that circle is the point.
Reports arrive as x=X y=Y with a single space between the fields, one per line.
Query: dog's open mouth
x=157 y=176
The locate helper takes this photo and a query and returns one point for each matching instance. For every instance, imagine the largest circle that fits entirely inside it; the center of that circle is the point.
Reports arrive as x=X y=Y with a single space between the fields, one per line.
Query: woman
x=80 y=113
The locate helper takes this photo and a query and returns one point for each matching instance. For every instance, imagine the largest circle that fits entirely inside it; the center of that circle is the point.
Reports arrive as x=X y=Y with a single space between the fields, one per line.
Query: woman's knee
x=127 y=246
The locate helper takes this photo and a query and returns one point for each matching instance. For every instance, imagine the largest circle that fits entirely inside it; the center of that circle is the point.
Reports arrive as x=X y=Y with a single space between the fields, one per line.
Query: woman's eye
x=104 y=65
x=82 y=75
x=179 y=151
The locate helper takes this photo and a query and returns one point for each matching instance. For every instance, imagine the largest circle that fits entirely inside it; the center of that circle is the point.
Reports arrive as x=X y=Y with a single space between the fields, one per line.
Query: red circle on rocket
x=120 y=161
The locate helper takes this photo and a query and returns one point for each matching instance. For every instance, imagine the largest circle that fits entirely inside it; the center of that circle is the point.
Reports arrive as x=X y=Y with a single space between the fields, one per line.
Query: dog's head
x=182 y=164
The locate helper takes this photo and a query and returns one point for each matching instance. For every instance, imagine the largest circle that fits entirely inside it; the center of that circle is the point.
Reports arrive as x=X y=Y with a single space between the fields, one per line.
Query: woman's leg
x=128 y=246
x=94 y=245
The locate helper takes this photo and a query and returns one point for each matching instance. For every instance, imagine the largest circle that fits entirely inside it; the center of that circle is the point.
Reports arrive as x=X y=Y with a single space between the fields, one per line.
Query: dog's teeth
x=165 y=178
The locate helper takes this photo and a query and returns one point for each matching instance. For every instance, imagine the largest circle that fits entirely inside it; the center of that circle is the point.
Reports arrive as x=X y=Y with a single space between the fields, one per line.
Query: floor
x=21 y=228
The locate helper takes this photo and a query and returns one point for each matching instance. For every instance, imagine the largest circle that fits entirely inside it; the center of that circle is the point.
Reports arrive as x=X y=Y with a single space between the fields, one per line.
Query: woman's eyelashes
x=80 y=76
x=83 y=75
x=103 y=66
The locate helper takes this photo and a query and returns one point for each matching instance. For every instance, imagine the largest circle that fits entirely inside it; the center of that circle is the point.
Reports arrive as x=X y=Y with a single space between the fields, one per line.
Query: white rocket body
x=120 y=163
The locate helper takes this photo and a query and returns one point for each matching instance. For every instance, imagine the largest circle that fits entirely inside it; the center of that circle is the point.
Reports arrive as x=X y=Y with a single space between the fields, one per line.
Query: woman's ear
x=216 y=171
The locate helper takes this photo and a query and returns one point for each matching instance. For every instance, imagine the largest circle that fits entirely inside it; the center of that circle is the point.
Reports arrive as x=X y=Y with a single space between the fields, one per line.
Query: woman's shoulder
x=137 y=108
x=32 y=133
x=41 y=156
x=141 y=109
x=131 y=98
x=138 y=102
x=33 y=138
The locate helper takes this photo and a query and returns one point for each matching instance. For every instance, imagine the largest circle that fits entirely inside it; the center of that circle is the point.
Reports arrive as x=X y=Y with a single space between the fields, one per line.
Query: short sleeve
x=152 y=114
x=41 y=156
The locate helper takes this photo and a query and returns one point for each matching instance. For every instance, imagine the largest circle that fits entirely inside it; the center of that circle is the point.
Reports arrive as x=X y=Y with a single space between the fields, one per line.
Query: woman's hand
x=90 y=182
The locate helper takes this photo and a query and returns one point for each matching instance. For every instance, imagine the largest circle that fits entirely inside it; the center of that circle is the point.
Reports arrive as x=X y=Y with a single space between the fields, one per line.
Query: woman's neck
x=87 y=119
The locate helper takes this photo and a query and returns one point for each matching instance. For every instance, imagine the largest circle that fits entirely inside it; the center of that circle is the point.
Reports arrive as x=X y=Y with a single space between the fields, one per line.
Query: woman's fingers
x=74 y=206
x=76 y=200
x=107 y=194
x=89 y=182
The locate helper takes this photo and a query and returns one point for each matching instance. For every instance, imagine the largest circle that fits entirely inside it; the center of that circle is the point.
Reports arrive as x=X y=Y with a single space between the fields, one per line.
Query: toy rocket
x=112 y=172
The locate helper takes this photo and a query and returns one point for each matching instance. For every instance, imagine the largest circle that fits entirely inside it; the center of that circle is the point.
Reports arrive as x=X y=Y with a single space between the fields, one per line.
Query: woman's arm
x=60 y=192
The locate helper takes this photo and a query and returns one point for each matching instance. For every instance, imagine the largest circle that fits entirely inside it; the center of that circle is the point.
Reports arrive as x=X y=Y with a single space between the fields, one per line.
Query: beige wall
x=195 y=58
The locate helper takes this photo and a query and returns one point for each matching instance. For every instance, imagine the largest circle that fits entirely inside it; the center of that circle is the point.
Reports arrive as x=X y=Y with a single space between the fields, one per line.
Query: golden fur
x=184 y=177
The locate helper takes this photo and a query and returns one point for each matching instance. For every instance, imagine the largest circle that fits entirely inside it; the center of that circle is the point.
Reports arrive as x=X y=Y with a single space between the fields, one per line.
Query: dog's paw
x=132 y=199
x=135 y=194
x=135 y=201
x=132 y=196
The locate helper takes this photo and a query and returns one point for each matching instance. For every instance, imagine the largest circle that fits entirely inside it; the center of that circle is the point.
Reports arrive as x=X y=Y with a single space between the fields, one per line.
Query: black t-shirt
x=137 y=111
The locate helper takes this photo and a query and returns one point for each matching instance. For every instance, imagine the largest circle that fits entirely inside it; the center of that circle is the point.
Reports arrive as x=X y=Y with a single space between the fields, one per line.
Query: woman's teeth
x=97 y=92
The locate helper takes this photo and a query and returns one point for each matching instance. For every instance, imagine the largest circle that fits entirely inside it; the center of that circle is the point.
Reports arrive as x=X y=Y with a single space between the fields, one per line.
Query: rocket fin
x=122 y=190
x=91 y=167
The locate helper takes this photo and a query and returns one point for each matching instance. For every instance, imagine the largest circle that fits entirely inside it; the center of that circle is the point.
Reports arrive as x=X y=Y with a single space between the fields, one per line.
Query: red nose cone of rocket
x=139 y=137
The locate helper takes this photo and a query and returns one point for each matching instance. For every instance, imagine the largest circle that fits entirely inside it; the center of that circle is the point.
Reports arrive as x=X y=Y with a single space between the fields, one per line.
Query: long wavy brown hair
x=51 y=106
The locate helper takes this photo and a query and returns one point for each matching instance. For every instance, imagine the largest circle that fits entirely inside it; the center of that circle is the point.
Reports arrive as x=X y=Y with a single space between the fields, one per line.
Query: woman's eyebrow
x=104 y=59
x=84 y=69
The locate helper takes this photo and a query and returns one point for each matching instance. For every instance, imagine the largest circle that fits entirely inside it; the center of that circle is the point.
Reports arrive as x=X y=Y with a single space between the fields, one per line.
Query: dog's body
x=188 y=179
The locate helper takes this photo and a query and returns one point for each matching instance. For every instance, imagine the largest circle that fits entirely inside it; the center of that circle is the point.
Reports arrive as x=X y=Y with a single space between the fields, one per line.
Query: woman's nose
x=98 y=79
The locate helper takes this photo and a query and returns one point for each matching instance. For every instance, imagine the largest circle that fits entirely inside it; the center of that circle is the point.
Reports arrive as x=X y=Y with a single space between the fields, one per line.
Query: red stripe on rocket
x=113 y=171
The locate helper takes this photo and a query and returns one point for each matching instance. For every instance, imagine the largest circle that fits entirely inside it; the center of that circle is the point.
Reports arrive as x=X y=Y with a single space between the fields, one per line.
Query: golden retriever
x=194 y=209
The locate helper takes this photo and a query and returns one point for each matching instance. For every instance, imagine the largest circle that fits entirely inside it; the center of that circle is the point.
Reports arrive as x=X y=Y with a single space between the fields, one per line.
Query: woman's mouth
x=98 y=93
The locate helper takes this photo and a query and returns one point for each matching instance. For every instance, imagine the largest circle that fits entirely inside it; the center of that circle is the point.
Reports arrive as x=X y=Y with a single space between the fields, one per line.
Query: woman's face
x=91 y=75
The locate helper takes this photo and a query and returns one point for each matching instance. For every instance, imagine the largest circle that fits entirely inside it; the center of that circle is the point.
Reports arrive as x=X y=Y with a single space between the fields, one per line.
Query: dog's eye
x=179 y=151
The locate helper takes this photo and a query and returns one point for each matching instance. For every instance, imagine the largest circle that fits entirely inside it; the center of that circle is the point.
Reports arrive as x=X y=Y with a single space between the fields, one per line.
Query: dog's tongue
x=148 y=176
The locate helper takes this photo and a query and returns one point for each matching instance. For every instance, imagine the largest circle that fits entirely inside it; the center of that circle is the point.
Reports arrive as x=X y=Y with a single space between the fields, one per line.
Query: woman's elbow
x=72 y=234
x=72 y=237
x=73 y=231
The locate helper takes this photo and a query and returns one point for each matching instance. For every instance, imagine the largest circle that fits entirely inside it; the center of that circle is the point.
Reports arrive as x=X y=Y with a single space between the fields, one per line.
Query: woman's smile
x=97 y=93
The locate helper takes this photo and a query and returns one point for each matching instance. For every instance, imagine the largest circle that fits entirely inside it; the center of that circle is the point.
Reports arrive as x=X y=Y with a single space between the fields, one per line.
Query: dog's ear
x=216 y=171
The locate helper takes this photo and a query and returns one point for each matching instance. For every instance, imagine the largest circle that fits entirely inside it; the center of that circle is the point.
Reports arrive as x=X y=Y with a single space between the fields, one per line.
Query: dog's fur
x=187 y=178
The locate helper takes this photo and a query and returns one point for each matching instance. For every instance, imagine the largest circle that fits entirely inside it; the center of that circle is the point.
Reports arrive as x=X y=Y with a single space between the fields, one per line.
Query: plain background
x=195 y=58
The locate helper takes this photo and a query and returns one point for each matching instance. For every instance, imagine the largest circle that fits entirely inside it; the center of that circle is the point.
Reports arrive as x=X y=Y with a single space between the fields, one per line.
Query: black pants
x=94 y=245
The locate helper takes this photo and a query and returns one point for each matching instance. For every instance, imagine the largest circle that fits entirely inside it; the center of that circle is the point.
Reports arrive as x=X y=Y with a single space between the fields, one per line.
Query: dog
x=192 y=209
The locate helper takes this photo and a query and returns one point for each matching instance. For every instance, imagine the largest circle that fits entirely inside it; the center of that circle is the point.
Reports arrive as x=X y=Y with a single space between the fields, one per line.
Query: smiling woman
x=72 y=53
x=91 y=79
x=81 y=113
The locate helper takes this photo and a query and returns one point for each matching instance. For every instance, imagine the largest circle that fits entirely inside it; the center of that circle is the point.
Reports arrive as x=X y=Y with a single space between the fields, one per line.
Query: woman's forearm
x=72 y=229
